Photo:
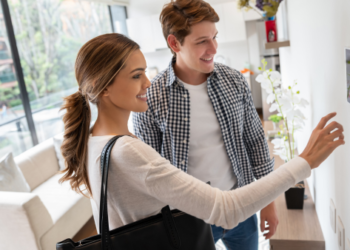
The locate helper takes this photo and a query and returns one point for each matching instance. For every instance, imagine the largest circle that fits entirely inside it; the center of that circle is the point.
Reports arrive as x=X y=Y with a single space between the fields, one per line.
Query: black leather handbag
x=172 y=229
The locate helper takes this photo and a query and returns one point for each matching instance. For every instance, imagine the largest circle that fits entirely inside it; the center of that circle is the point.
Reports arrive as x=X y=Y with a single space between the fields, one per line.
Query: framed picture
x=347 y=58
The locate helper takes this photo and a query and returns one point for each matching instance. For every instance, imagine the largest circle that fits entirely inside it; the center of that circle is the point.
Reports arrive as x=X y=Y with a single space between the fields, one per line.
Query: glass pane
x=119 y=19
x=14 y=134
x=49 y=34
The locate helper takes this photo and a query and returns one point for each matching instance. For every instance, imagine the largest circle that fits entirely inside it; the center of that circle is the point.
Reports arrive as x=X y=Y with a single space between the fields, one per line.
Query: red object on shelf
x=271 y=31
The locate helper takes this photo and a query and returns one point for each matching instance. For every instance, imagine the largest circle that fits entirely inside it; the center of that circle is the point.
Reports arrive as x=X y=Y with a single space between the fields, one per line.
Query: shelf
x=276 y=45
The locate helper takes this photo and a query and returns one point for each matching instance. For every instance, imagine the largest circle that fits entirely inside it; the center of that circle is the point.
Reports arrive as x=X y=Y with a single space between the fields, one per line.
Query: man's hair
x=178 y=16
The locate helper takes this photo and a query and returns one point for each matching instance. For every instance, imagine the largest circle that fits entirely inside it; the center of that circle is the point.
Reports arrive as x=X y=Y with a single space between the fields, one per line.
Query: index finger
x=325 y=119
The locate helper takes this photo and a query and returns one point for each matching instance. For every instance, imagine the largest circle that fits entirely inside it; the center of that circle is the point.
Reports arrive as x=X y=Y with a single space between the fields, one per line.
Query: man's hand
x=269 y=214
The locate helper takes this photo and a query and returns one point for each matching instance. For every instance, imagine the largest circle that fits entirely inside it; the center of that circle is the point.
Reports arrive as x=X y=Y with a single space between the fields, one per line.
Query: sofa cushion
x=57 y=141
x=38 y=163
x=11 y=177
x=68 y=209
x=58 y=198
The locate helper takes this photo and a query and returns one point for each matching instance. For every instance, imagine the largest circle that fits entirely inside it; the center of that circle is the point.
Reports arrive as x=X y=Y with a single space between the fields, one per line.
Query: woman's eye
x=201 y=42
x=136 y=76
x=215 y=37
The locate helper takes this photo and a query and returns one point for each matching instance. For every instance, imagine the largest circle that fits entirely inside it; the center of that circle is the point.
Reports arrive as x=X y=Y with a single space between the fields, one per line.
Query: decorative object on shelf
x=271 y=29
x=295 y=196
x=288 y=103
x=347 y=58
x=269 y=7
x=246 y=72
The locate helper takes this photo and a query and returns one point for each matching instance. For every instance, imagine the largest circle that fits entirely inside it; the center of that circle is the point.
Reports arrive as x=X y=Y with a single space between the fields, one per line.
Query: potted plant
x=275 y=120
x=287 y=102
x=266 y=8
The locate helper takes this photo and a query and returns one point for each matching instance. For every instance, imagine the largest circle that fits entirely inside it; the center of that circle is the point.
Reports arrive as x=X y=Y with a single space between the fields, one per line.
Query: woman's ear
x=105 y=92
x=173 y=43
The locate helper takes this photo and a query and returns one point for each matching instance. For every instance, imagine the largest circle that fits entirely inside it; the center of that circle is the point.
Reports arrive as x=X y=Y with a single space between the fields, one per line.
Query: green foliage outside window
x=49 y=35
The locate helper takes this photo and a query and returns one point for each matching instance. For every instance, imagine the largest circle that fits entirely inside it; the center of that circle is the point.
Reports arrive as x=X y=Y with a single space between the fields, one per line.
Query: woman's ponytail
x=76 y=135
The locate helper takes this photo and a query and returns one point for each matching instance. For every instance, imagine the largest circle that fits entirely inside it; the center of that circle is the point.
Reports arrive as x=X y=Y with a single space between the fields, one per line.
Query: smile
x=142 y=97
x=207 y=59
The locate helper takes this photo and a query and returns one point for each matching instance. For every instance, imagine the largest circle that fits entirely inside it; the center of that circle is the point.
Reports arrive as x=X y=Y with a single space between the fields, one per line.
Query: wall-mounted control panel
x=340 y=234
x=333 y=216
x=347 y=244
x=347 y=63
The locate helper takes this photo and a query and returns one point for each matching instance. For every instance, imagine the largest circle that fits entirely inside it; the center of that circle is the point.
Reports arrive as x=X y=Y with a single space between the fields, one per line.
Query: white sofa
x=49 y=213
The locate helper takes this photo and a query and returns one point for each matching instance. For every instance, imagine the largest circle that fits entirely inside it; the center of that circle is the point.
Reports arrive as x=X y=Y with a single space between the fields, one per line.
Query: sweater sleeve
x=155 y=176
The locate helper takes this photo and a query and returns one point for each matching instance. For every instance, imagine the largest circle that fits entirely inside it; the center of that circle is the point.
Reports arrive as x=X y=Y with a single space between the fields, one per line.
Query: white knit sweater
x=141 y=183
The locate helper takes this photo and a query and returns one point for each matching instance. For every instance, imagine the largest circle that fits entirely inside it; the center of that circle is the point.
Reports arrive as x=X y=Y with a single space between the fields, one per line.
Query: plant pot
x=295 y=196
x=275 y=125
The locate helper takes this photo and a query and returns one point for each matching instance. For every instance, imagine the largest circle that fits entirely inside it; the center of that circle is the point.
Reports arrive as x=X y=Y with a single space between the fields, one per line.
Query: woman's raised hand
x=323 y=141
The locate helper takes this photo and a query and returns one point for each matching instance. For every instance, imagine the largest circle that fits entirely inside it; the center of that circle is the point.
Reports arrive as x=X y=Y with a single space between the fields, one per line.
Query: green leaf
x=275 y=118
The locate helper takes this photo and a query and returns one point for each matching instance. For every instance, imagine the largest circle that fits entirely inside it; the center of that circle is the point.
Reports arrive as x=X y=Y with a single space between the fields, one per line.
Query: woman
x=110 y=70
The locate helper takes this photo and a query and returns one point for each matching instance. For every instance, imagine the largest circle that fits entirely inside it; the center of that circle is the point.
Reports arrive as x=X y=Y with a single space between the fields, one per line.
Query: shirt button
x=185 y=96
x=185 y=141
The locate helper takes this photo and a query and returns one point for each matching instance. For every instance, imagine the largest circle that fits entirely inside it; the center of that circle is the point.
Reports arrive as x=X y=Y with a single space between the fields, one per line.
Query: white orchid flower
x=270 y=98
x=267 y=86
x=275 y=78
x=283 y=153
x=302 y=102
x=274 y=107
x=287 y=103
x=278 y=142
x=263 y=78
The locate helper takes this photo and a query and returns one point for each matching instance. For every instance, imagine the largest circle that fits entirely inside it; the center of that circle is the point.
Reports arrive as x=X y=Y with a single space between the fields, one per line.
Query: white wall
x=319 y=32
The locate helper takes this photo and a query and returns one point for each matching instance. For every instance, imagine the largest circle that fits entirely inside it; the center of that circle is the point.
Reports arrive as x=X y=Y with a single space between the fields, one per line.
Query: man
x=201 y=116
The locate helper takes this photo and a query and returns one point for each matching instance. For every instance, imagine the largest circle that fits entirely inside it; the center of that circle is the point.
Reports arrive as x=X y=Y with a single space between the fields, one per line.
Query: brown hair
x=178 y=16
x=97 y=64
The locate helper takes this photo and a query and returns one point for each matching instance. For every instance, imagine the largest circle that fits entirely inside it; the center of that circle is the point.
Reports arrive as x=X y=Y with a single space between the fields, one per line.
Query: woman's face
x=129 y=88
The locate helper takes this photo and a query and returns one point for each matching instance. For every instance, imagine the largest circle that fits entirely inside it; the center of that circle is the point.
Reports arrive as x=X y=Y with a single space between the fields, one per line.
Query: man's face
x=199 y=47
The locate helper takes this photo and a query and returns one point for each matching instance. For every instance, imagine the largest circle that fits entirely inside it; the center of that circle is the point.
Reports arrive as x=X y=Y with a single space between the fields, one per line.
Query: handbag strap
x=168 y=219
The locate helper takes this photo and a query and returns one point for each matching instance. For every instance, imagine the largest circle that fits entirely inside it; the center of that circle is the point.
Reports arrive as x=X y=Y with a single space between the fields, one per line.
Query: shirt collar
x=172 y=77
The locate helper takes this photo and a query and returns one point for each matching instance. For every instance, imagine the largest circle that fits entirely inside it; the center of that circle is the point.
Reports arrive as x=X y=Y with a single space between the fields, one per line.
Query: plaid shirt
x=166 y=124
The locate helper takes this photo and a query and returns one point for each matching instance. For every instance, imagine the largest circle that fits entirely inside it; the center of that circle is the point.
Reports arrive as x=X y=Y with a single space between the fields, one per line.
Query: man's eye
x=215 y=37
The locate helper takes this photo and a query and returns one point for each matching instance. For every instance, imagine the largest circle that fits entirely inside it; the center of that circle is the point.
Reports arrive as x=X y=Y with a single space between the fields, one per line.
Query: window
x=14 y=133
x=118 y=16
x=48 y=35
